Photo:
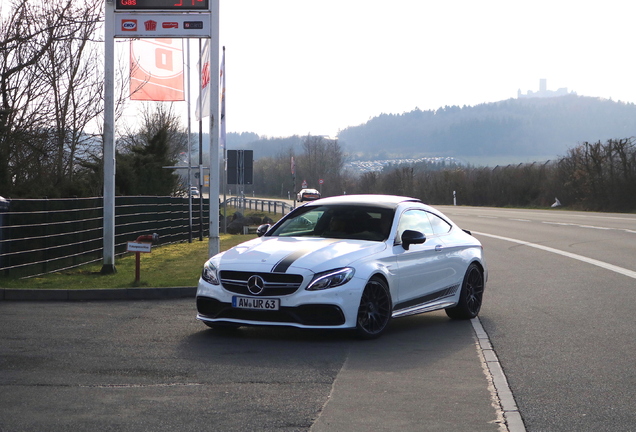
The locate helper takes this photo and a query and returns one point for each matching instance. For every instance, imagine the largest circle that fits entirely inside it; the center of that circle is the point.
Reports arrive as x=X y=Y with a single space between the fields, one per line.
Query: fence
x=42 y=236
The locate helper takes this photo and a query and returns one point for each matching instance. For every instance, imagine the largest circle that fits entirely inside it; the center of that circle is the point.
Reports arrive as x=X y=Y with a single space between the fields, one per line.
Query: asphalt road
x=149 y=366
x=562 y=328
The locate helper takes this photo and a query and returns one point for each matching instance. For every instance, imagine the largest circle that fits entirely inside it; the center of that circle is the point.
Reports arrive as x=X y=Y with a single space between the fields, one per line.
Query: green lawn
x=176 y=265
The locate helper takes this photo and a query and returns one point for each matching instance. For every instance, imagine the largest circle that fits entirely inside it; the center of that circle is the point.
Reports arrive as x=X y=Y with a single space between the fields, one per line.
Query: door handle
x=438 y=248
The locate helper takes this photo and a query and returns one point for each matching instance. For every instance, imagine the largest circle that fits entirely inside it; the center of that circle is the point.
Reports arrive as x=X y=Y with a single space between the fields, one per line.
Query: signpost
x=143 y=244
x=138 y=248
x=157 y=19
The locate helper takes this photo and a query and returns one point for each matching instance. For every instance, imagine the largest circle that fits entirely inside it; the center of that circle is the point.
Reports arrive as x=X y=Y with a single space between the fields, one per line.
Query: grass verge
x=175 y=265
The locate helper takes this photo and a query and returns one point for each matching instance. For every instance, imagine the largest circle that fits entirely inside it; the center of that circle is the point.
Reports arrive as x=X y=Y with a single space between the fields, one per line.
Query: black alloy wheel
x=471 y=295
x=375 y=309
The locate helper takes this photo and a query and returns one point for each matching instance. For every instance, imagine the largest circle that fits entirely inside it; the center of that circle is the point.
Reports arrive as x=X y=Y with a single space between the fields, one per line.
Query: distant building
x=543 y=91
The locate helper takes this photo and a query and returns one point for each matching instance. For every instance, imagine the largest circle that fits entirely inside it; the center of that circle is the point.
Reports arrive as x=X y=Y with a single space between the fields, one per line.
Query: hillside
x=514 y=129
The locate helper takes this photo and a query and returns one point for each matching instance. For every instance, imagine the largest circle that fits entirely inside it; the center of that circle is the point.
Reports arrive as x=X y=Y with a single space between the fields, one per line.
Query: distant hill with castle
x=536 y=126
x=543 y=91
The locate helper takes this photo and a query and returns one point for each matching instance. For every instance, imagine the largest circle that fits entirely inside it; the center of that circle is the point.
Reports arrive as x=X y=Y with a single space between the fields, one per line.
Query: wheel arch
x=482 y=268
x=383 y=277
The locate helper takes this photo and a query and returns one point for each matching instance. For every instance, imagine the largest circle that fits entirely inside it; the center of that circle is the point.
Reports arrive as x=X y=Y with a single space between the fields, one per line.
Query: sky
x=298 y=67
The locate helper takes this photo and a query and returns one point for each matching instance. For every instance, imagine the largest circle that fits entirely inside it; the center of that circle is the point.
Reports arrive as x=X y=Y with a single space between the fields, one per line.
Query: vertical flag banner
x=156 y=70
x=222 y=85
x=203 y=101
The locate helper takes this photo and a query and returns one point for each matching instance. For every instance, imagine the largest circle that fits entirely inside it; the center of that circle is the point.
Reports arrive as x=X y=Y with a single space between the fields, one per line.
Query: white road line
x=521 y=220
x=595 y=227
x=503 y=394
x=602 y=264
x=583 y=226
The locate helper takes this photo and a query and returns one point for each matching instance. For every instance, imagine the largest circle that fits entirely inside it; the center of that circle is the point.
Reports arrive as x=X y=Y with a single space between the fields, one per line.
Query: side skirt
x=430 y=302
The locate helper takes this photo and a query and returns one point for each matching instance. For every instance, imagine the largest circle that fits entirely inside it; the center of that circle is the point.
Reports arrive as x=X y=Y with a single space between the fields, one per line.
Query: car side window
x=416 y=220
x=440 y=226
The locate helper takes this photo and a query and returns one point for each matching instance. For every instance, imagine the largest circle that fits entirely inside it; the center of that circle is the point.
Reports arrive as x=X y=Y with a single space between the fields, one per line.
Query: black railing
x=43 y=236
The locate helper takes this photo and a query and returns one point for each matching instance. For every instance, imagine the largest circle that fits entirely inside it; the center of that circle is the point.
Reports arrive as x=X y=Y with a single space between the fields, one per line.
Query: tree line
x=591 y=176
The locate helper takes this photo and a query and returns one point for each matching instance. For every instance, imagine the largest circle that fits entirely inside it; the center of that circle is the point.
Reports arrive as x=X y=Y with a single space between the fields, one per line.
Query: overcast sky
x=319 y=66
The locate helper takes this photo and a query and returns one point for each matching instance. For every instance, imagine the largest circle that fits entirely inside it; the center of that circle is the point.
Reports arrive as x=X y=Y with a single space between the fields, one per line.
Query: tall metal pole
x=224 y=149
x=214 y=243
x=108 y=265
x=188 y=98
x=201 y=66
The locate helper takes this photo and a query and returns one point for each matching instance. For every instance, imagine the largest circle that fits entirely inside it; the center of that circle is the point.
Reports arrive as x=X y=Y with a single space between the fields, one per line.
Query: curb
x=8 y=294
x=503 y=393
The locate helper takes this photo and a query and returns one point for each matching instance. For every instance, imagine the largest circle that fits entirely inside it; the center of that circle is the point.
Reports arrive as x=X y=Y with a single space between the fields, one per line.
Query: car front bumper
x=330 y=308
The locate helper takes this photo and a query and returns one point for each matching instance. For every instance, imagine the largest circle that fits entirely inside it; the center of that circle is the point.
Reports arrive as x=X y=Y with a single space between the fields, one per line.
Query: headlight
x=210 y=273
x=330 y=279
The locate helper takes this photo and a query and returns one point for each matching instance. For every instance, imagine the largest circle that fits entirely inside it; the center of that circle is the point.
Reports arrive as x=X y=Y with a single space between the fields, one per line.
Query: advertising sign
x=161 y=25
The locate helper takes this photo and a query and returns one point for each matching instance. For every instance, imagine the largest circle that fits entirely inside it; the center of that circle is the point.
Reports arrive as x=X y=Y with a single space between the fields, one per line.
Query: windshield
x=342 y=222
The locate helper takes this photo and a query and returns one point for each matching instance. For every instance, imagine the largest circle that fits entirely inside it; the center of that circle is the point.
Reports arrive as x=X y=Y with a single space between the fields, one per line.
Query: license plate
x=256 y=303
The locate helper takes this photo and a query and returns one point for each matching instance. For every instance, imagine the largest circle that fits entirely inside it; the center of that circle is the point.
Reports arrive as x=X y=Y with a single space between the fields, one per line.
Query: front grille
x=276 y=284
x=310 y=315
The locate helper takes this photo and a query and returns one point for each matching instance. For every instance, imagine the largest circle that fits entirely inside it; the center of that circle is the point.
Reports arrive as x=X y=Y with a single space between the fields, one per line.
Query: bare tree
x=152 y=118
x=47 y=91
x=69 y=70
x=272 y=176
x=322 y=159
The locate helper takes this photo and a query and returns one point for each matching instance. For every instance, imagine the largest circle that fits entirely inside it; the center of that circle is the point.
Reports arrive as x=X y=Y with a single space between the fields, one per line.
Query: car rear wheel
x=471 y=295
x=374 y=312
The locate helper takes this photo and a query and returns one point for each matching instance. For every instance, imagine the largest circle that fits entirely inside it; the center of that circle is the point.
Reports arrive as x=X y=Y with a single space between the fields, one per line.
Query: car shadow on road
x=433 y=335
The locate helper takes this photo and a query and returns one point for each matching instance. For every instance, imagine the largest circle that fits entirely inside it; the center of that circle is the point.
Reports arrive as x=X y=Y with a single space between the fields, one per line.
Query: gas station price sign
x=159 y=5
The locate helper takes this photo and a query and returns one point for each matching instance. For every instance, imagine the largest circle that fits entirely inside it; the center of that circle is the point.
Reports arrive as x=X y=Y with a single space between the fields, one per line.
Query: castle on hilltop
x=543 y=91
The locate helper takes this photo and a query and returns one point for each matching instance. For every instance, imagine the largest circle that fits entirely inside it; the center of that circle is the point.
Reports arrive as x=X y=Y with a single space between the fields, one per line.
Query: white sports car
x=347 y=262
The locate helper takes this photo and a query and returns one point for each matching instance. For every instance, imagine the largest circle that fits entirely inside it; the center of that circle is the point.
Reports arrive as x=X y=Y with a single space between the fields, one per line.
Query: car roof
x=373 y=200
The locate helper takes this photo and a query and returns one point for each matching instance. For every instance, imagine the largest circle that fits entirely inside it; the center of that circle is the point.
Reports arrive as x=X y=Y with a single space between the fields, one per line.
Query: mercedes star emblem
x=255 y=285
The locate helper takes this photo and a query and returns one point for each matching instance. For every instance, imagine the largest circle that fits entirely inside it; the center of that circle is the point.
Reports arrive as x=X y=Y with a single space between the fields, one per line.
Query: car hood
x=281 y=255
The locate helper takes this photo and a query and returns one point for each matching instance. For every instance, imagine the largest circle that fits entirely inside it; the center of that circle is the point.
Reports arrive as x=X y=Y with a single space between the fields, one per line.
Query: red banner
x=156 y=69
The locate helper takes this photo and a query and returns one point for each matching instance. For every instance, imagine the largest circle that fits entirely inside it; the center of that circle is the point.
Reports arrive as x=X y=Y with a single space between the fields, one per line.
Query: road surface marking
x=602 y=264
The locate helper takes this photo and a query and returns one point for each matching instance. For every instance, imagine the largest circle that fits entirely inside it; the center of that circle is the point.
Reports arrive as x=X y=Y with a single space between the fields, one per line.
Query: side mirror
x=262 y=229
x=410 y=237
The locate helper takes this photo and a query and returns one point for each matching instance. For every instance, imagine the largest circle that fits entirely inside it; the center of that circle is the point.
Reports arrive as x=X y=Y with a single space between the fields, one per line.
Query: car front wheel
x=471 y=295
x=374 y=312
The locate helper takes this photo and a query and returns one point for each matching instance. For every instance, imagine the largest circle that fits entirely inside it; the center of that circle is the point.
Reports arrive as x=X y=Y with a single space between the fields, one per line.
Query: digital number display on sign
x=171 y=5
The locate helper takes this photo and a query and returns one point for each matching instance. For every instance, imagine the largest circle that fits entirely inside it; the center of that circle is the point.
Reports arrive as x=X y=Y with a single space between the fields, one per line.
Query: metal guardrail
x=264 y=205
